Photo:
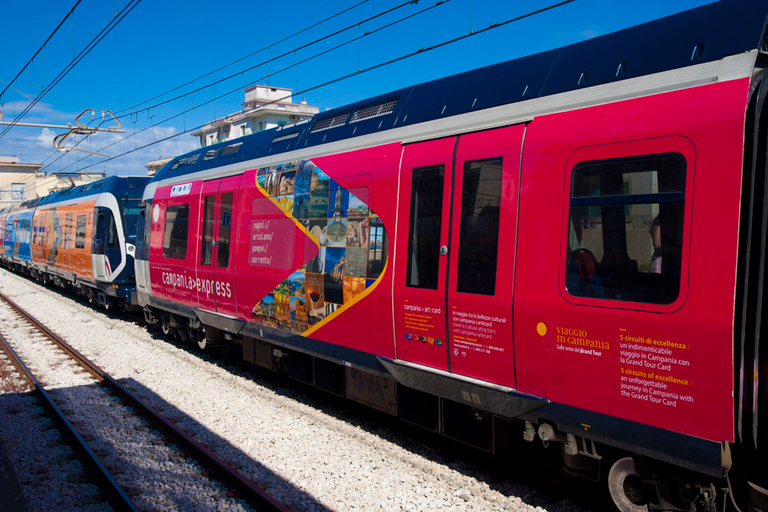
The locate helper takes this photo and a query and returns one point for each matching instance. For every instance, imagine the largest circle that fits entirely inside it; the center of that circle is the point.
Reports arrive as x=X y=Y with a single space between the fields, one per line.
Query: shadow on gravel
x=270 y=482
x=527 y=470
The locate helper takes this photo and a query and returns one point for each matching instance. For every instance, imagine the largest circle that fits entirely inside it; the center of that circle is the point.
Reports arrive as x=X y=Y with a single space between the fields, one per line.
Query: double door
x=455 y=258
x=215 y=275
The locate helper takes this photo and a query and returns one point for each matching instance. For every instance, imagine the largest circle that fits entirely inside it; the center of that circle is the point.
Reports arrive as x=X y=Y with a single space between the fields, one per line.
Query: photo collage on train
x=351 y=253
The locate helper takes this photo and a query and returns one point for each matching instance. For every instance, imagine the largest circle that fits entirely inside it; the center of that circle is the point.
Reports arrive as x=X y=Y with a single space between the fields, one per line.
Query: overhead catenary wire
x=134 y=113
x=317 y=55
x=83 y=53
x=72 y=10
x=221 y=68
x=121 y=113
x=420 y=51
x=296 y=64
x=30 y=98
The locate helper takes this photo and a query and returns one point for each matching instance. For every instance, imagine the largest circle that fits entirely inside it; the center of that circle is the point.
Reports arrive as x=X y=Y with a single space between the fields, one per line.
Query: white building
x=17 y=181
x=21 y=182
x=155 y=165
x=265 y=107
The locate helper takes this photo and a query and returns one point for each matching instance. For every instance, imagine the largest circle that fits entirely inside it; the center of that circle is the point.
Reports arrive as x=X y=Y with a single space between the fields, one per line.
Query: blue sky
x=165 y=44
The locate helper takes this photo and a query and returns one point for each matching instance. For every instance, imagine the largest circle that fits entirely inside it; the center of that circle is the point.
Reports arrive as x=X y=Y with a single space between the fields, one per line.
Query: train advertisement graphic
x=567 y=247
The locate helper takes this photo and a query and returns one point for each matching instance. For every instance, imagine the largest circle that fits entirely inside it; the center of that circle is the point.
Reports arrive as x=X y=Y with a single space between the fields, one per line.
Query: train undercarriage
x=635 y=482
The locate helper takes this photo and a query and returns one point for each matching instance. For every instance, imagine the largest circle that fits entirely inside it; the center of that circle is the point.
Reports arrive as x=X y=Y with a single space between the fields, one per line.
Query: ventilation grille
x=286 y=136
x=331 y=121
x=376 y=109
x=189 y=160
x=231 y=149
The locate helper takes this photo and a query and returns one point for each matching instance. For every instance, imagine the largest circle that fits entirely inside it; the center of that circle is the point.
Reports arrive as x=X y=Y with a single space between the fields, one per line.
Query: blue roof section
x=705 y=34
x=119 y=186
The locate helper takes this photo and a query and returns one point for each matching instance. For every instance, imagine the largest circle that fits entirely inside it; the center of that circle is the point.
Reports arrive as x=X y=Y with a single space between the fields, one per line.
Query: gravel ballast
x=307 y=459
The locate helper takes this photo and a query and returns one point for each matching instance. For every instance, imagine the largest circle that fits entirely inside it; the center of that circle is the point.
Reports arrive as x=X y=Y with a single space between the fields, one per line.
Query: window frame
x=206 y=236
x=679 y=145
x=224 y=235
x=417 y=263
x=167 y=248
x=80 y=235
x=467 y=247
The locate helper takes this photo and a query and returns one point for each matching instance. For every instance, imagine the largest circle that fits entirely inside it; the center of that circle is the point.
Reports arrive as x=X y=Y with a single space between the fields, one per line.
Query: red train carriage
x=566 y=246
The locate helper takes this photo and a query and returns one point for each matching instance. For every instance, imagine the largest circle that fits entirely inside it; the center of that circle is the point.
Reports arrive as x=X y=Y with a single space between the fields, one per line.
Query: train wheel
x=626 y=486
x=203 y=343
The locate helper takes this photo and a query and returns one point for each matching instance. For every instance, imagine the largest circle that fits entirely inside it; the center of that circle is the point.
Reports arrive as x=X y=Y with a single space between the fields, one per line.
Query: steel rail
x=245 y=488
x=117 y=497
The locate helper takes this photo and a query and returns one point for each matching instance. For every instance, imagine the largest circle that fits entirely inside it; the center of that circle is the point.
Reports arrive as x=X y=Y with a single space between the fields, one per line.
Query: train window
x=131 y=209
x=209 y=210
x=378 y=248
x=140 y=231
x=479 y=229
x=143 y=233
x=71 y=230
x=425 y=228
x=80 y=233
x=176 y=231
x=112 y=240
x=225 y=229
x=65 y=232
x=625 y=229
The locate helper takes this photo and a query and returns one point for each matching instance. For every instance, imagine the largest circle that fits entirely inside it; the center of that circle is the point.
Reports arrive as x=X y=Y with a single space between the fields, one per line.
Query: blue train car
x=84 y=237
x=17 y=230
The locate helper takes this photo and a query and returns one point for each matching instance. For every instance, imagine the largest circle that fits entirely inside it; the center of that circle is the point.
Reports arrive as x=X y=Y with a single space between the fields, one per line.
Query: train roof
x=119 y=186
x=705 y=34
x=7 y=209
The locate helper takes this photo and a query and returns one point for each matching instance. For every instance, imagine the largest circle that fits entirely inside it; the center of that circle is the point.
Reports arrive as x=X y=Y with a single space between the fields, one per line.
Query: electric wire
x=30 y=98
x=8 y=84
x=209 y=73
x=420 y=51
x=273 y=59
x=239 y=88
x=83 y=53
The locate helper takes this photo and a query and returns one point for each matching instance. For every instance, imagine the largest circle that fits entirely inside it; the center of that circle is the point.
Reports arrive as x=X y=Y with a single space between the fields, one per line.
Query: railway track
x=308 y=446
x=157 y=445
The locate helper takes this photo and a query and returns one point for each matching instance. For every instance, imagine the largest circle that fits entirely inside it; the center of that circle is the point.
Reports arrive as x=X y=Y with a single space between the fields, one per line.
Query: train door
x=106 y=254
x=455 y=259
x=141 y=257
x=215 y=286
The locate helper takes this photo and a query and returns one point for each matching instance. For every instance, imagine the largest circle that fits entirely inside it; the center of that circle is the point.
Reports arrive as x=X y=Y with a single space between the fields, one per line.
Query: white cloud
x=45 y=138
x=127 y=153
x=35 y=145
